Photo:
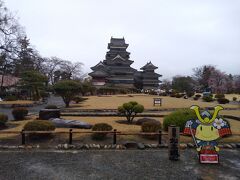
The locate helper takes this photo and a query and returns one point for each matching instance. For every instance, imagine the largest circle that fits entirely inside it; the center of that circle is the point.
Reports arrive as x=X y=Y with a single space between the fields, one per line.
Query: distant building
x=116 y=70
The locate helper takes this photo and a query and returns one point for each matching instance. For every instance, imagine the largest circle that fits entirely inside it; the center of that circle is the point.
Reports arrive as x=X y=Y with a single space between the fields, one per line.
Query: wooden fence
x=70 y=133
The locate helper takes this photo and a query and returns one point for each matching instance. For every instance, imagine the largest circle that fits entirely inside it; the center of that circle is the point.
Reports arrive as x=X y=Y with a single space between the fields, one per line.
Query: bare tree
x=72 y=70
x=10 y=32
x=51 y=66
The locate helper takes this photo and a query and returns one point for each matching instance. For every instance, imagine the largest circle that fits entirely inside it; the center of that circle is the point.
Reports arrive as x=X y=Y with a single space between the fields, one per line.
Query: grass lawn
x=112 y=102
x=17 y=102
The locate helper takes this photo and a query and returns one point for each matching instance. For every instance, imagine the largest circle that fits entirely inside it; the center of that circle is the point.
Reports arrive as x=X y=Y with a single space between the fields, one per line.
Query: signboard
x=205 y=131
x=157 y=101
x=208 y=158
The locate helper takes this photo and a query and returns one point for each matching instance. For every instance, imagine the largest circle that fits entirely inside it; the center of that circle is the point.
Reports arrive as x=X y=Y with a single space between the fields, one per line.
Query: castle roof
x=98 y=66
x=149 y=66
x=98 y=73
x=117 y=43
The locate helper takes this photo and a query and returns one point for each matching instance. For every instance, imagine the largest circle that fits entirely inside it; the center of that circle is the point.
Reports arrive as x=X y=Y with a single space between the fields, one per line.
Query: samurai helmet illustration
x=206 y=120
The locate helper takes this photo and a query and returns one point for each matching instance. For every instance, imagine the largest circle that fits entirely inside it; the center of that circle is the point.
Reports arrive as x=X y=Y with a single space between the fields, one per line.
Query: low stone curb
x=140 y=146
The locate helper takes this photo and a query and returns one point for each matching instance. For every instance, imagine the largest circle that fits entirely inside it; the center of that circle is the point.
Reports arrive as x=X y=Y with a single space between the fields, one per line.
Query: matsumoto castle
x=116 y=70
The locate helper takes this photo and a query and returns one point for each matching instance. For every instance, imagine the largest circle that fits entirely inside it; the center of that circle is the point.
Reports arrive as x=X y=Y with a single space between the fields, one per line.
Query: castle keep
x=116 y=70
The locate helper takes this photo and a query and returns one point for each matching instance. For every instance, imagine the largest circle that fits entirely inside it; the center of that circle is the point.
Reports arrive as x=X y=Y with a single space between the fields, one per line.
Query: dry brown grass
x=235 y=127
x=17 y=102
x=112 y=102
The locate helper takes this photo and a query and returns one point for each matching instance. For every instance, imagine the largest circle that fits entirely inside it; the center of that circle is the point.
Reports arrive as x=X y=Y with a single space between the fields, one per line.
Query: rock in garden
x=190 y=145
x=131 y=144
x=227 y=146
x=65 y=146
x=154 y=145
x=143 y=120
x=141 y=146
x=183 y=146
x=63 y=123
x=45 y=114
x=148 y=145
x=85 y=146
x=233 y=145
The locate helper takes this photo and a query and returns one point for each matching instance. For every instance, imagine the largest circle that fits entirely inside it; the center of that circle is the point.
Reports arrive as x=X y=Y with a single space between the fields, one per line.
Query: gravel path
x=130 y=164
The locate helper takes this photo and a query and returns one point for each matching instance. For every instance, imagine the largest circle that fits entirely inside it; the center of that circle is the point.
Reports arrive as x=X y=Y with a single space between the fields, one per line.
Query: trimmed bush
x=39 y=125
x=100 y=127
x=207 y=98
x=51 y=106
x=143 y=120
x=19 y=113
x=234 y=99
x=130 y=110
x=10 y=98
x=163 y=94
x=223 y=101
x=178 y=118
x=179 y=95
x=219 y=96
x=151 y=127
x=3 y=120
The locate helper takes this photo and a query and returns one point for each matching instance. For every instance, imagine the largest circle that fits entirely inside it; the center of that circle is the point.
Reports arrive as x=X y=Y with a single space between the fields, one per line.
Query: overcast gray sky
x=176 y=35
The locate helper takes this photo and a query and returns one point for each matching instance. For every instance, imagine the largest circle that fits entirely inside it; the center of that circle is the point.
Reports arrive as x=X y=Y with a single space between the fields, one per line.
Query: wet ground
x=112 y=164
x=56 y=100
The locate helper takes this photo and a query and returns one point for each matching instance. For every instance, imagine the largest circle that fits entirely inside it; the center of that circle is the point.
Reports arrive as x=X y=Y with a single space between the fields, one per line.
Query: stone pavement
x=115 y=164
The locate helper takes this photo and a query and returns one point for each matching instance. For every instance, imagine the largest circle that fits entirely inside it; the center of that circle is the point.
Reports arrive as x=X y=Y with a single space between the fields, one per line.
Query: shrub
x=39 y=125
x=19 y=113
x=51 y=106
x=79 y=99
x=163 y=94
x=219 y=96
x=130 y=110
x=179 y=95
x=10 y=98
x=178 y=118
x=207 y=98
x=151 y=127
x=3 y=120
x=100 y=127
x=223 y=101
x=234 y=99
x=143 y=120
